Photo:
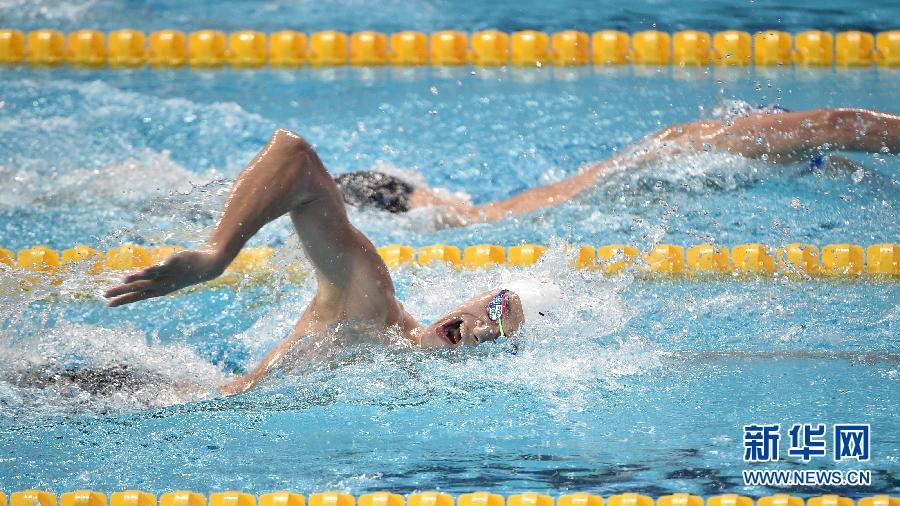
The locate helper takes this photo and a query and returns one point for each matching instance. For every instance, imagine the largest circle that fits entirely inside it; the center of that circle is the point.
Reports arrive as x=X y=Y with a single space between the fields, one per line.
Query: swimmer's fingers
x=134 y=286
x=135 y=296
x=125 y=294
x=152 y=272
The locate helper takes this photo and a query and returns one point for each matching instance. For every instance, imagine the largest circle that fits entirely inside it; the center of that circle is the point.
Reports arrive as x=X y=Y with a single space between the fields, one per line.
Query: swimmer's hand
x=238 y=385
x=182 y=269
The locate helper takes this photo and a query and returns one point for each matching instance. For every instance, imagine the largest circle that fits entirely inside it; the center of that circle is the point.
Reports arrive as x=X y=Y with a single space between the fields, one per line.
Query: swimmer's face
x=469 y=324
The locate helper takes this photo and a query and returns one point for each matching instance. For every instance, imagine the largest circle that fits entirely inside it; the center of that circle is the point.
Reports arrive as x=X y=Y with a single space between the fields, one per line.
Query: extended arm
x=541 y=197
x=785 y=137
x=561 y=191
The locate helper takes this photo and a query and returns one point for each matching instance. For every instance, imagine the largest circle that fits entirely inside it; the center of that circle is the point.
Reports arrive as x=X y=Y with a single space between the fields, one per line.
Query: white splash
x=134 y=180
x=66 y=369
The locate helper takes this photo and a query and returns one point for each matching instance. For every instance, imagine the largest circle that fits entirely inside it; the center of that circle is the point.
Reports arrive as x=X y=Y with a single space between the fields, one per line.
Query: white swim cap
x=540 y=296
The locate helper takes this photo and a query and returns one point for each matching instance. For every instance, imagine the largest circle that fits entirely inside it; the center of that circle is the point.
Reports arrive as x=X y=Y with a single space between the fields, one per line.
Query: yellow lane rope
x=482 y=498
x=527 y=48
x=669 y=259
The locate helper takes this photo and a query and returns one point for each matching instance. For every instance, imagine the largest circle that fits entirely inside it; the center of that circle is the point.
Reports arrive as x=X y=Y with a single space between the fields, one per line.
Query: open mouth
x=452 y=331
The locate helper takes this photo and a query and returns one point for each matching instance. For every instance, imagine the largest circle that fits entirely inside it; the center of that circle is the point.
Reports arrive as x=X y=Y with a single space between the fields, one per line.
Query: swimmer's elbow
x=284 y=135
x=301 y=170
x=287 y=140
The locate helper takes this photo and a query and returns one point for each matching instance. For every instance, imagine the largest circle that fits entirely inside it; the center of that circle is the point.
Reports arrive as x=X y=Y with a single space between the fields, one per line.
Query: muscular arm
x=286 y=177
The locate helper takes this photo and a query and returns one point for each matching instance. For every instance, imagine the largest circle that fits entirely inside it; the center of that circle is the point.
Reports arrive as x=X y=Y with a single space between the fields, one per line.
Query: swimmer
x=354 y=287
x=786 y=137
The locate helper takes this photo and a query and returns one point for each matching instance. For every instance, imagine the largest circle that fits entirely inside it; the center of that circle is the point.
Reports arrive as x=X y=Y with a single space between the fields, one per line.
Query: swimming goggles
x=495 y=310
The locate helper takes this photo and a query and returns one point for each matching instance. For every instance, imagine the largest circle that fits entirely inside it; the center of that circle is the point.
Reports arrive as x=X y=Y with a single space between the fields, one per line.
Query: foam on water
x=561 y=363
x=151 y=176
x=73 y=368
x=590 y=314
x=84 y=125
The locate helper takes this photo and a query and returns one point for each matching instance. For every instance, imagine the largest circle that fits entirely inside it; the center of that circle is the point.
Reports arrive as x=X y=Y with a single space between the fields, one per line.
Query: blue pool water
x=639 y=386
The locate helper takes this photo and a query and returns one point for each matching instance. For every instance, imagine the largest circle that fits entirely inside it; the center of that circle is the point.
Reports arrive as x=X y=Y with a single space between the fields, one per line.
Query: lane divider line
x=128 y=48
x=833 y=260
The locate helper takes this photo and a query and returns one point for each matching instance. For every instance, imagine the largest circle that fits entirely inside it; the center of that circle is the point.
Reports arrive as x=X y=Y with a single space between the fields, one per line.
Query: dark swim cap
x=375 y=189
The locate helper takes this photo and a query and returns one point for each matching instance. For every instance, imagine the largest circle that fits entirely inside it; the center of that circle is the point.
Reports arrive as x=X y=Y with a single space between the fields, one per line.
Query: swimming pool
x=642 y=386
